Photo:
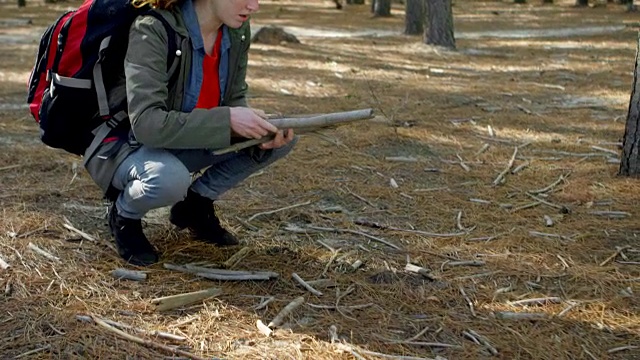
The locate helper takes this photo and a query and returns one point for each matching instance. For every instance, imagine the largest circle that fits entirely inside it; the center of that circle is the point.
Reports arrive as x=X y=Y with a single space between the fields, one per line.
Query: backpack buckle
x=111 y=121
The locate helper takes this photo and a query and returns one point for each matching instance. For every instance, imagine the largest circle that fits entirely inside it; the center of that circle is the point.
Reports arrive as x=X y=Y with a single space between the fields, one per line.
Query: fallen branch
x=475 y=337
x=608 y=151
x=547 y=235
x=464 y=295
x=237 y=257
x=33 y=247
x=615 y=255
x=622 y=348
x=34 y=351
x=352 y=350
x=537 y=301
x=286 y=311
x=465 y=263
x=504 y=172
x=376 y=225
x=520 y=167
x=548 y=203
x=278 y=210
x=507 y=315
x=118 y=325
x=526 y=206
x=143 y=341
x=175 y=301
x=83 y=234
x=334 y=307
x=419 y=270
x=462 y=164
x=304 y=284
x=129 y=274
x=484 y=148
x=550 y=186
x=222 y=274
x=319 y=228
x=264 y=304
x=611 y=214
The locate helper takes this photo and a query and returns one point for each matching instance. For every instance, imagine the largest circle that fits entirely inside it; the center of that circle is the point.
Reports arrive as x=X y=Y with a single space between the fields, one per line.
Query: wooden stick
x=520 y=167
x=31 y=352
x=304 y=284
x=334 y=307
x=278 y=210
x=3 y=264
x=323 y=120
x=550 y=186
x=83 y=234
x=462 y=164
x=483 y=341
x=609 y=151
x=612 y=214
x=264 y=304
x=144 y=342
x=508 y=315
x=547 y=235
x=287 y=310
x=466 y=263
x=504 y=172
x=237 y=257
x=174 y=301
x=376 y=225
x=464 y=294
x=484 y=148
x=622 y=348
x=118 y=325
x=33 y=247
x=223 y=273
x=537 y=301
x=615 y=255
x=419 y=270
x=249 y=277
x=369 y=236
x=129 y=274
x=360 y=198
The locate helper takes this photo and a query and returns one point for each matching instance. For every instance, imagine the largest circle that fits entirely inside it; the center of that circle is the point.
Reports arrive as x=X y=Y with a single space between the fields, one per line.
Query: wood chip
x=129 y=274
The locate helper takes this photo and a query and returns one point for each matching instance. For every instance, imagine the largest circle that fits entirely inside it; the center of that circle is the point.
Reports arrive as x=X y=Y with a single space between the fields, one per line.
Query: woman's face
x=235 y=12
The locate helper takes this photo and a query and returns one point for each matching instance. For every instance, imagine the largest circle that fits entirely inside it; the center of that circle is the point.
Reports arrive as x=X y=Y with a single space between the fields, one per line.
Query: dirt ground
x=551 y=81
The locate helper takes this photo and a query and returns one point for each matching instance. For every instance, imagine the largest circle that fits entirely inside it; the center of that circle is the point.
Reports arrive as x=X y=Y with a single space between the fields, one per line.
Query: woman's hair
x=156 y=4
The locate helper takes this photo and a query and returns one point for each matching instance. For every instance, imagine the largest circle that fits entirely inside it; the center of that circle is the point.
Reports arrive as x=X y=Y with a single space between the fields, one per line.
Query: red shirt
x=210 y=91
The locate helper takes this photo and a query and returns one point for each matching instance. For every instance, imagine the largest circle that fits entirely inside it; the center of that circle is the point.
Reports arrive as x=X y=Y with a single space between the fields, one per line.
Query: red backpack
x=79 y=58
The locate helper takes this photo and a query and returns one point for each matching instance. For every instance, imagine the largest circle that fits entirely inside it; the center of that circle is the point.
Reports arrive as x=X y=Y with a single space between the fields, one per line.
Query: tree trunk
x=439 y=29
x=582 y=2
x=630 y=159
x=519 y=1
x=547 y=1
x=414 y=17
x=630 y=6
x=22 y=3
x=355 y=2
x=382 y=8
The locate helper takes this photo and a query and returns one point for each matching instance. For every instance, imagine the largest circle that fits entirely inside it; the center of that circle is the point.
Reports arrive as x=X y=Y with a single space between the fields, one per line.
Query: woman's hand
x=282 y=138
x=247 y=123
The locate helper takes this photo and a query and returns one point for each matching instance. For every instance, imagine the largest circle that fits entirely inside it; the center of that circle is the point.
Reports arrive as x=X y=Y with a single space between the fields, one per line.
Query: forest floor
x=546 y=86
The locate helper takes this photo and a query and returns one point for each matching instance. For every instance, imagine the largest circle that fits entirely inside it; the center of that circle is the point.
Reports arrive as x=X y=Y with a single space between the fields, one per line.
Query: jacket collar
x=193 y=27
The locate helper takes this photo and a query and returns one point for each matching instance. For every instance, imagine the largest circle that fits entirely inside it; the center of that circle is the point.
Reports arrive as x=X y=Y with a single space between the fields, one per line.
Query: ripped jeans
x=151 y=178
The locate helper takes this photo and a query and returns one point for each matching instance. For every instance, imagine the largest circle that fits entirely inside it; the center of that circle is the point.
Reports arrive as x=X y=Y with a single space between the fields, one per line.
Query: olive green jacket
x=154 y=102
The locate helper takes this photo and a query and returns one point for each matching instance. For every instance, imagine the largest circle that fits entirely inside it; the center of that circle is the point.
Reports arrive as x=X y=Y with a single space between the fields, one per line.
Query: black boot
x=131 y=242
x=196 y=212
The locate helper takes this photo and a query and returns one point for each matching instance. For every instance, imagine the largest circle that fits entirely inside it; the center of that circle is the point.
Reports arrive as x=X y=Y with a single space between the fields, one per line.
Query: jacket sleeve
x=238 y=94
x=152 y=122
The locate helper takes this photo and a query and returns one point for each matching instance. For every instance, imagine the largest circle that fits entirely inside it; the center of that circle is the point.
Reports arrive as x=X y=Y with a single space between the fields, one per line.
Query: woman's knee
x=166 y=179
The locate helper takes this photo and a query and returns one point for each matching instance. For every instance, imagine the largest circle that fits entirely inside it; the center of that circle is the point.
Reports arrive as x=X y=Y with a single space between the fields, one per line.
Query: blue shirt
x=194 y=82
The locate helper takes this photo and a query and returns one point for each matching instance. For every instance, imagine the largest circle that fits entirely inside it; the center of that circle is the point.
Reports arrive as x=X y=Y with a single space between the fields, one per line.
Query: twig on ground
x=537 y=301
x=466 y=298
x=548 y=203
x=83 y=234
x=237 y=257
x=34 y=351
x=304 y=284
x=351 y=349
x=550 y=187
x=608 y=151
x=376 y=225
x=419 y=270
x=593 y=357
x=498 y=180
x=484 y=148
x=360 y=198
x=174 y=301
x=369 y=236
x=568 y=308
x=611 y=214
x=334 y=307
x=223 y=274
x=401 y=158
x=264 y=304
x=526 y=206
x=465 y=263
x=478 y=338
x=278 y=210
x=129 y=274
x=121 y=326
x=480 y=201
x=334 y=255
x=615 y=255
x=622 y=348
x=547 y=235
x=286 y=311
x=508 y=315
x=520 y=167
x=33 y=247
x=246 y=224
x=143 y=341
x=462 y=164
